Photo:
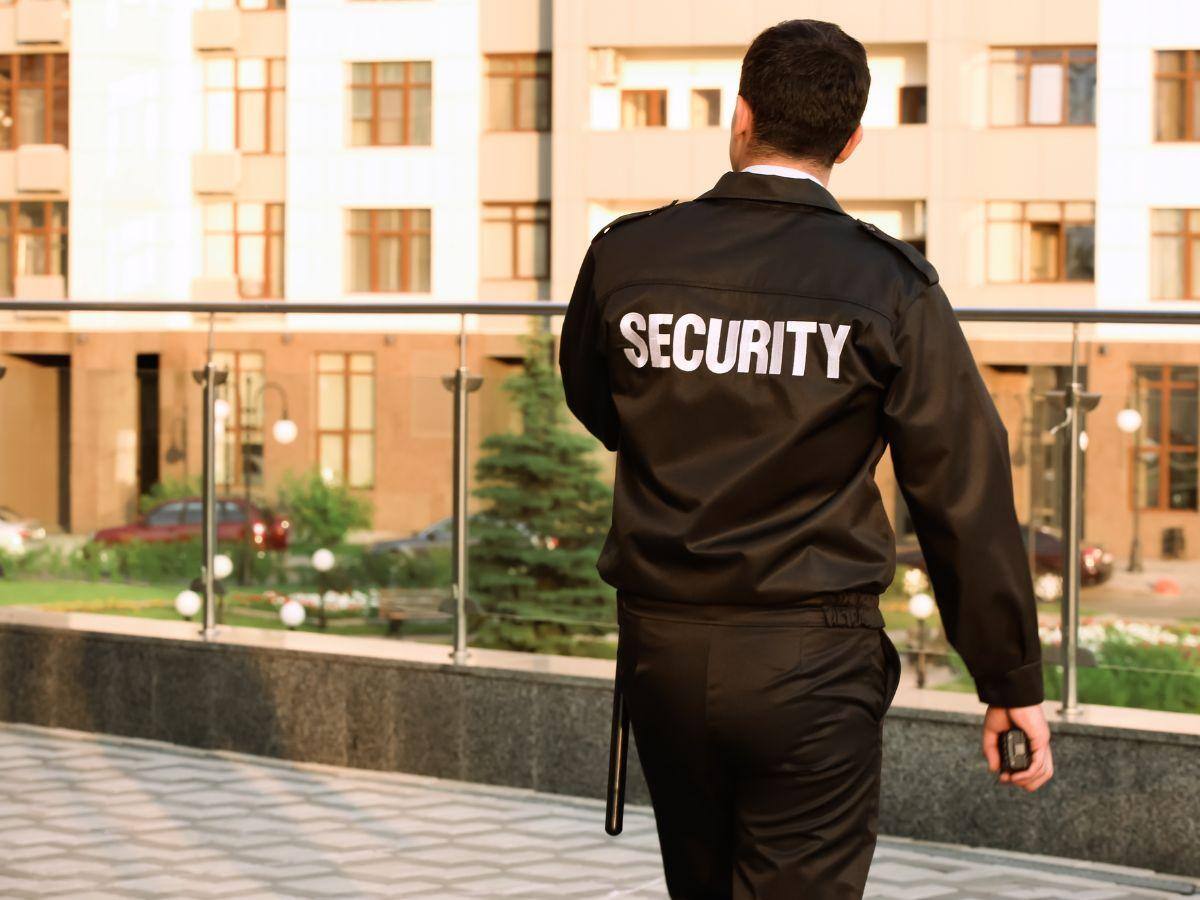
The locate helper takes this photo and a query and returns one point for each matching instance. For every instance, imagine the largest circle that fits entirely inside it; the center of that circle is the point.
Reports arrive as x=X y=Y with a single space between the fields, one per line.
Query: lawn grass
x=42 y=592
x=151 y=601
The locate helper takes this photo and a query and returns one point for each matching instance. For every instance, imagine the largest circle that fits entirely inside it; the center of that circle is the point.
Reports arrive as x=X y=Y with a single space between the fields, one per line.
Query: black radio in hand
x=1015 y=752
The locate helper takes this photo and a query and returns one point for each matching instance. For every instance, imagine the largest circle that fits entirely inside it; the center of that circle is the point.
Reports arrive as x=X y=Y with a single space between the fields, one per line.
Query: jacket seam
x=719 y=287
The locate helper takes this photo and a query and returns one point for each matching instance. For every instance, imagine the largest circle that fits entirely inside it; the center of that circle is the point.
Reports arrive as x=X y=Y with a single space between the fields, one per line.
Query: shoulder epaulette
x=628 y=217
x=911 y=253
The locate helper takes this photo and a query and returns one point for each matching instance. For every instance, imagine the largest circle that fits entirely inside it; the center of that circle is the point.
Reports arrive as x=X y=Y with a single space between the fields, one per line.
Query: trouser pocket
x=892 y=659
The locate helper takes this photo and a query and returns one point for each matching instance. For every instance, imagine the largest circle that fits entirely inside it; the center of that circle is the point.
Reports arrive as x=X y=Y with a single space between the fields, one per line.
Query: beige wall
x=29 y=439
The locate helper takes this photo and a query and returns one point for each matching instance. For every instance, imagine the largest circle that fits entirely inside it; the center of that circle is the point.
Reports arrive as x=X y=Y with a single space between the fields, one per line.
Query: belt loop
x=843 y=616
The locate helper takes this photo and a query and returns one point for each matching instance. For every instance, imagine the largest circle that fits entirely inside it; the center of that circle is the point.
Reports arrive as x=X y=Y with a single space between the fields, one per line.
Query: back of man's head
x=806 y=84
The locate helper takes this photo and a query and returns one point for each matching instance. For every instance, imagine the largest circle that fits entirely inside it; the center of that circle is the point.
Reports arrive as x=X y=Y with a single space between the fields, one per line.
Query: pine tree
x=534 y=565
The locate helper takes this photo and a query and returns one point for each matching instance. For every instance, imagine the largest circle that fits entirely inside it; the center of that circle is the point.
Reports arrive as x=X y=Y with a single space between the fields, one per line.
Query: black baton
x=618 y=755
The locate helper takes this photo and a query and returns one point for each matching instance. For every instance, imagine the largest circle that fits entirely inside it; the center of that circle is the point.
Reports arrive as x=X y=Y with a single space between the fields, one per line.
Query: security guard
x=749 y=355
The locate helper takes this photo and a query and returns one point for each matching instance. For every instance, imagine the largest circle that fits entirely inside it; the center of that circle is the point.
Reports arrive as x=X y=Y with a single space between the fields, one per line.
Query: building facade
x=1042 y=154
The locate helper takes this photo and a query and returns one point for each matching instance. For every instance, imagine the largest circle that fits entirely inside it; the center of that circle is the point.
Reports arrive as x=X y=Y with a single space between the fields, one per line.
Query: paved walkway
x=82 y=816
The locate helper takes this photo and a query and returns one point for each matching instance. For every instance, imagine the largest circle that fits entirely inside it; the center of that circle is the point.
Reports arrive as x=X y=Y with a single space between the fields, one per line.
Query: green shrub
x=1145 y=676
x=321 y=514
x=1127 y=673
x=430 y=568
x=169 y=489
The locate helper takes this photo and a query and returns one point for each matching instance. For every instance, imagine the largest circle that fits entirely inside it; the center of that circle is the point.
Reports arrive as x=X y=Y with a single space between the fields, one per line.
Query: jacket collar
x=752 y=186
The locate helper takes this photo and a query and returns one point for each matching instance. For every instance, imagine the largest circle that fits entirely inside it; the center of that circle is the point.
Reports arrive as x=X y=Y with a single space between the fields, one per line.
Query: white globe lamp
x=921 y=606
x=285 y=431
x=291 y=614
x=323 y=560
x=187 y=603
x=222 y=566
x=1129 y=420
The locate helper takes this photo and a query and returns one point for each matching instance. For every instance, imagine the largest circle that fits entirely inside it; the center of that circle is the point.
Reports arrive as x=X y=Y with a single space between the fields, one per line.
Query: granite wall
x=1119 y=796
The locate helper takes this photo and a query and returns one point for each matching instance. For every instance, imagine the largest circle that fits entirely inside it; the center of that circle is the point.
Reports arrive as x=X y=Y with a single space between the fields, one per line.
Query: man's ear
x=851 y=145
x=743 y=117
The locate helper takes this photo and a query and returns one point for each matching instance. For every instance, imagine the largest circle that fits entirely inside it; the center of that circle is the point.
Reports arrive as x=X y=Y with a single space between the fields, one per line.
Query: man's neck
x=803 y=167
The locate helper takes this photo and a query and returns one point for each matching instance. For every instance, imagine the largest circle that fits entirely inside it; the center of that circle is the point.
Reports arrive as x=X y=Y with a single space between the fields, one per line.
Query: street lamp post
x=284 y=431
x=921 y=606
x=1129 y=420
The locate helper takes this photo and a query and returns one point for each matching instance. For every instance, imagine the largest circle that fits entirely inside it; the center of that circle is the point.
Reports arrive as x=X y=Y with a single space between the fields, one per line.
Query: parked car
x=28 y=529
x=179 y=520
x=1095 y=563
x=440 y=535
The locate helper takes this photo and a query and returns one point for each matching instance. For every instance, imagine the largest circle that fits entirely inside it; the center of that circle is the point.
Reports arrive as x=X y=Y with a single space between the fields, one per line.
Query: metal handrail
x=1075 y=402
x=551 y=308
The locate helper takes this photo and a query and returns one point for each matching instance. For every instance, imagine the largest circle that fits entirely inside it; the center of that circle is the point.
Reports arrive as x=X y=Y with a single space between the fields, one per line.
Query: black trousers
x=760 y=735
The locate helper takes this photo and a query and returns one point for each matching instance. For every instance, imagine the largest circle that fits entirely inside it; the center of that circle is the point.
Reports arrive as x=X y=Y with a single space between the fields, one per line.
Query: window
x=33 y=241
x=643 y=109
x=519 y=92
x=391 y=104
x=243 y=104
x=167 y=514
x=912 y=104
x=1040 y=241
x=389 y=250
x=1177 y=95
x=34 y=94
x=1043 y=86
x=346 y=418
x=245 y=240
x=1164 y=460
x=1175 y=254
x=239 y=435
x=706 y=107
x=516 y=241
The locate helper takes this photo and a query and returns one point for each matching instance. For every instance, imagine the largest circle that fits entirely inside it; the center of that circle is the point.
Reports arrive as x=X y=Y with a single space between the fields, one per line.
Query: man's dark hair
x=806 y=83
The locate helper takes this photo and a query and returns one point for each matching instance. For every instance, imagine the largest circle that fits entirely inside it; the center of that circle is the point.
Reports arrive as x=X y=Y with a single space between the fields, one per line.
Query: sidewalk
x=96 y=817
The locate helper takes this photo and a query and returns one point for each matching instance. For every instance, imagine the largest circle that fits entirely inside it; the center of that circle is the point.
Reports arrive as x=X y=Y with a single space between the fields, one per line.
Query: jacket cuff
x=1022 y=686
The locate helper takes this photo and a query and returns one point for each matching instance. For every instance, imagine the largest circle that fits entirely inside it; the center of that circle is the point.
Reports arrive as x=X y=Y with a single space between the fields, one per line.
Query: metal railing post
x=207 y=380
x=461 y=383
x=1078 y=404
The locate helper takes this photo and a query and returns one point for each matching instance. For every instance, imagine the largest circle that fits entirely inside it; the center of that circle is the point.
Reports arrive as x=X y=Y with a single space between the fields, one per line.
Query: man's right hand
x=1032 y=721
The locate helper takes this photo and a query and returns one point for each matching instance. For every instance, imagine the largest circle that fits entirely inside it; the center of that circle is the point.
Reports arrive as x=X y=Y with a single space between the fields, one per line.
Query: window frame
x=47 y=84
x=48 y=231
x=1191 y=279
x=913 y=96
x=406 y=233
x=1024 y=221
x=692 y=92
x=628 y=93
x=347 y=373
x=1165 y=384
x=1190 y=76
x=268 y=90
x=517 y=76
x=270 y=290
x=405 y=87
x=1027 y=50
x=516 y=220
x=235 y=430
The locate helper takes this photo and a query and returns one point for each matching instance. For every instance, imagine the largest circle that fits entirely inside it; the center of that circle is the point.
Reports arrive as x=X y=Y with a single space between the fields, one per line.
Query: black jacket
x=749 y=355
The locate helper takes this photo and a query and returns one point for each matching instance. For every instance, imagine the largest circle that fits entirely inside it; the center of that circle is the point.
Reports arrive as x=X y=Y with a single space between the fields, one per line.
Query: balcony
x=42 y=168
x=216 y=172
x=41 y=22
x=216 y=29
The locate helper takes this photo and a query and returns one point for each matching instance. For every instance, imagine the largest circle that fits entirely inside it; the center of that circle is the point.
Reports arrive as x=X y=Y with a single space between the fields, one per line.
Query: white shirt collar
x=783 y=171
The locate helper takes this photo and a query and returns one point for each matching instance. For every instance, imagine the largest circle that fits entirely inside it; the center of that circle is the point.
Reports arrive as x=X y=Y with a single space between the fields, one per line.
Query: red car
x=179 y=520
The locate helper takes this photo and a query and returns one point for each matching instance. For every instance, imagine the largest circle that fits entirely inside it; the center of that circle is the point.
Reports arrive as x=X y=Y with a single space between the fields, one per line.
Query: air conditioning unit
x=606 y=66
